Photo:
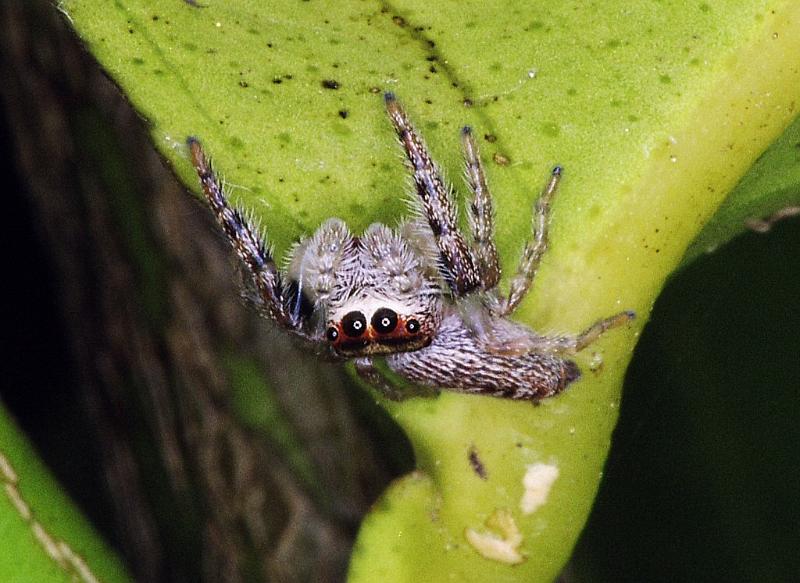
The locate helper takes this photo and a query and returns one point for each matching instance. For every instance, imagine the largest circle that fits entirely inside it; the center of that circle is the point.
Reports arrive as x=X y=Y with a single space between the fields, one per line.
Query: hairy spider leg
x=457 y=263
x=481 y=213
x=574 y=344
x=534 y=249
x=370 y=374
x=556 y=345
x=244 y=239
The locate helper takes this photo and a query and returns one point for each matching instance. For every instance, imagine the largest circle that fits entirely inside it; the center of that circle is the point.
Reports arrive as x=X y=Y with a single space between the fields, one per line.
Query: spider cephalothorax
x=423 y=296
x=374 y=294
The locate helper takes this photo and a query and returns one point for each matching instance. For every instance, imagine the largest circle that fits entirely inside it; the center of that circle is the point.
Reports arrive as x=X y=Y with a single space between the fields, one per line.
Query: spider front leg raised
x=469 y=267
x=481 y=215
x=534 y=249
x=457 y=263
x=251 y=249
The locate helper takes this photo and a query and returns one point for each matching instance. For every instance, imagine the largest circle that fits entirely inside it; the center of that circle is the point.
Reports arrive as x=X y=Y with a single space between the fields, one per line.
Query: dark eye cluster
x=384 y=321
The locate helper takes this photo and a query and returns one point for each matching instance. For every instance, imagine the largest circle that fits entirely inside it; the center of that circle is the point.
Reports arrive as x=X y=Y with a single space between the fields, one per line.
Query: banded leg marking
x=457 y=261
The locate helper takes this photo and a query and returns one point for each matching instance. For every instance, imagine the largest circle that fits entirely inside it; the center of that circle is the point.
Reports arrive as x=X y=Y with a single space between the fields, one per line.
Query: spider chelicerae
x=423 y=297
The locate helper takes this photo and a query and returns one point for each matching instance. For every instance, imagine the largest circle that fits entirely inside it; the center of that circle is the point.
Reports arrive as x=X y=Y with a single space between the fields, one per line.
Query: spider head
x=375 y=327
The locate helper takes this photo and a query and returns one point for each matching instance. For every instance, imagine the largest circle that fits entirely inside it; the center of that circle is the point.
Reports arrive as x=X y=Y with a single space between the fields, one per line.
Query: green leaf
x=654 y=110
x=44 y=536
x=770 y=189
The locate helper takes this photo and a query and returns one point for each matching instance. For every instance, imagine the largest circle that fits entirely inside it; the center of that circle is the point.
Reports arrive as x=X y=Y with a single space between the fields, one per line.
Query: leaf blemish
x=537 y=481
x=503 y=548
x=476 y=463
x=500 y=159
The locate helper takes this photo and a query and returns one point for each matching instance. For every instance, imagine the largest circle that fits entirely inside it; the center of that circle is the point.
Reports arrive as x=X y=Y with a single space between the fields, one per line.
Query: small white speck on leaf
x=537 y=481
x=596 y=362
x=502 y=543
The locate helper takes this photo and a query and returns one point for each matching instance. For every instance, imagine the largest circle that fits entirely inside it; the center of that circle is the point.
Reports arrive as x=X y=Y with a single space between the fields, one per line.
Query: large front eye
x=384 y=320
x=354 y=324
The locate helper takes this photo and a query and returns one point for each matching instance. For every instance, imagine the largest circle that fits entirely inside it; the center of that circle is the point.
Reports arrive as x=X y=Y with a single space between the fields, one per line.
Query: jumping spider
x=423 y=297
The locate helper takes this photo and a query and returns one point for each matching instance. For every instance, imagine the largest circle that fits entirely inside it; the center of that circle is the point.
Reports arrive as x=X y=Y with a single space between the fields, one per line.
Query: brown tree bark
x=163 y=349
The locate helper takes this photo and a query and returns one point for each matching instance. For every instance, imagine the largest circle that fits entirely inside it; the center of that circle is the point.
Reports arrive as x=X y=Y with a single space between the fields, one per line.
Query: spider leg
x=456 y=261
x=250 y=248
x=522 y=343
x=366 y=370
x=534 y=248
x=577 y=343
x=481 y=214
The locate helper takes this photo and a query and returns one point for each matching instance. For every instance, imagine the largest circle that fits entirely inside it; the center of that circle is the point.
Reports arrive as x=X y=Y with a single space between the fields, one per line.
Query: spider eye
x=332 y=333
x=384 y=320
x=354 y=324
x=412 y=326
